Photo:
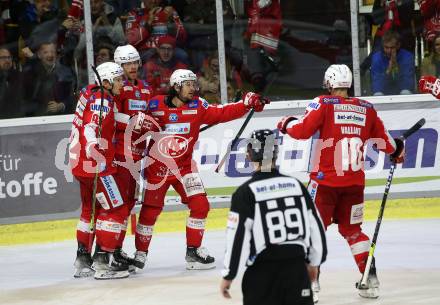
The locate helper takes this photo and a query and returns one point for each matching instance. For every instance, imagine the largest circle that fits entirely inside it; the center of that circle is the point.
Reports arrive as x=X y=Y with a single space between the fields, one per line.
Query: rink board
x=36 y=183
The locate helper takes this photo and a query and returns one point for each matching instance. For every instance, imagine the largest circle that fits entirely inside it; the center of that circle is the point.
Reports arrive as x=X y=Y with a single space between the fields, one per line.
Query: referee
x=273 y=224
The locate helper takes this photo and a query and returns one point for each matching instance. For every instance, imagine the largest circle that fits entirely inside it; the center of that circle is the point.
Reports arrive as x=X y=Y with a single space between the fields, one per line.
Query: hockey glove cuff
x=255 y=101
x=284 y=122
x=430 y=84
x=398 y=156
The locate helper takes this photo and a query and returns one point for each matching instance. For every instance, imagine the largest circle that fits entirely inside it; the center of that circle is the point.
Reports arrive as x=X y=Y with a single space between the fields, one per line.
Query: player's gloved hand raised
x=398 y=156
x=145 y=123
x=255 y=101
x=430 y=84
x=282 y=124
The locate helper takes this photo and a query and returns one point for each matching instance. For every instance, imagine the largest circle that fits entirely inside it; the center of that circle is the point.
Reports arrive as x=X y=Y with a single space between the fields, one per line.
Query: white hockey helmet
x=108 y=71
x=337 y=76
x=125 y=54
x=181 y=75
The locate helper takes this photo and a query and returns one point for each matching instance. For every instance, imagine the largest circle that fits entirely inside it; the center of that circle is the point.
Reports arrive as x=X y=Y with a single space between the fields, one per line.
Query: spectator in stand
x=394 y=15
x=145 y=25
x=209 y=82
x=392 y=68
x=103 y=53
x=48 y=83
x=431 y=63
x=430 y=11
x=10 y=86
x=106 y=23
x=162 y=64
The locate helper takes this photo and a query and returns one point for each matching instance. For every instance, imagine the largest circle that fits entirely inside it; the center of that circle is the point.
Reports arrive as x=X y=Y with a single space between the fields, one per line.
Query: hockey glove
x=398 y=156
x=282 y=124
x=145 y=123
x=430 y=84
x=255 y=101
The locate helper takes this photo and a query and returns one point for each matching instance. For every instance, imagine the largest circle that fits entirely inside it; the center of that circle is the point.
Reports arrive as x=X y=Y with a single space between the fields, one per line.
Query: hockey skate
x=140 y=259
x=316 y=288
x=83 y=263
x=107 y=268
x=372 y=289
x=198 y=259
x=122 y=257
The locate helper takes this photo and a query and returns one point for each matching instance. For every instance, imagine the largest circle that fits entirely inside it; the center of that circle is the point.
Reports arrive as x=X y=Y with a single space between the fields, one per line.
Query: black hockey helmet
x=262 y=145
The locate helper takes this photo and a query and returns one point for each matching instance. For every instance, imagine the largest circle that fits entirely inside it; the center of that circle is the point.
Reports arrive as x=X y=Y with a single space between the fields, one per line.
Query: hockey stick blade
x=414 y=128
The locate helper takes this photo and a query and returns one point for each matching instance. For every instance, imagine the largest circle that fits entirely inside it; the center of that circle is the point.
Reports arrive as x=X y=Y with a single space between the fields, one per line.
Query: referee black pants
x=278 y=282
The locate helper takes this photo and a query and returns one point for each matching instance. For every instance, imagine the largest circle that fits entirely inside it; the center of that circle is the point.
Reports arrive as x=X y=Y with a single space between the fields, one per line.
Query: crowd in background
x=43 y=47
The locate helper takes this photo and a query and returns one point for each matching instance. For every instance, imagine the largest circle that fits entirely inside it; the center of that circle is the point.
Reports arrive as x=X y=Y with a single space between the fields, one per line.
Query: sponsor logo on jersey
x=80 y=109
x=83 y=100
x=173 y=117
x=172 y=146
x=331 y=100
x=313 y=106
x=320 y=176
x=193 y=104
x=178 y=128
x=189 y=112
x=158 y=113
x=153 y=104
x=112 y=190
x=128 y=88
x=349 y=107
x=349 y=117
x=137 y=105
x=137 y=94
x=357 y=213
x=366 y=104
x=313 y=187
x=145 y=91
x=205 y=103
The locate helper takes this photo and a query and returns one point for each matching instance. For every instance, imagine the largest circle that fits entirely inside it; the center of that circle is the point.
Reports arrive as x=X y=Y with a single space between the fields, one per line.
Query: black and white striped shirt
x=272 y=217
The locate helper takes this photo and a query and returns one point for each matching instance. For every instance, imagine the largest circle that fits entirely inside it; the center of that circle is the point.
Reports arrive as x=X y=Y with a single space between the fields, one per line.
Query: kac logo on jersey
x=173 y=117
x=172 y=146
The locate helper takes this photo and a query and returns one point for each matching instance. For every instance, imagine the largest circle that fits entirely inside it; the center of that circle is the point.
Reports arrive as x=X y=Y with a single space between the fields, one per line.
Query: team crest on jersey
x=193 y=104
x=173 y=117
x=153 y=104
x=172 y=146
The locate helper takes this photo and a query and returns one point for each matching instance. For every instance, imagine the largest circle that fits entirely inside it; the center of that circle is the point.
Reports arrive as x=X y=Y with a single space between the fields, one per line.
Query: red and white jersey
x=344 y=126
x=85 y=133
x=131 y=100
x=180 y=129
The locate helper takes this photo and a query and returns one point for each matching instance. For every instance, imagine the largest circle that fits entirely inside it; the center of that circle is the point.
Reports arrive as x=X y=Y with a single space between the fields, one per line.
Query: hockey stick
x=95 y=178
x=234 y=141
x=406 y=134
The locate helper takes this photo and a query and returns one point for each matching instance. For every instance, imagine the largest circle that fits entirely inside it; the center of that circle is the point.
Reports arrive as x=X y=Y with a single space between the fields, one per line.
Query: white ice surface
x=408 y=262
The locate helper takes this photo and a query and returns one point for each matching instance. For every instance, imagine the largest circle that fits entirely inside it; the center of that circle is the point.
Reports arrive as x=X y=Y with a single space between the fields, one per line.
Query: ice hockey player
x=180 y=115
x=133 y=99
x=337 y=178
x=274 y=222
x=91 y=151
